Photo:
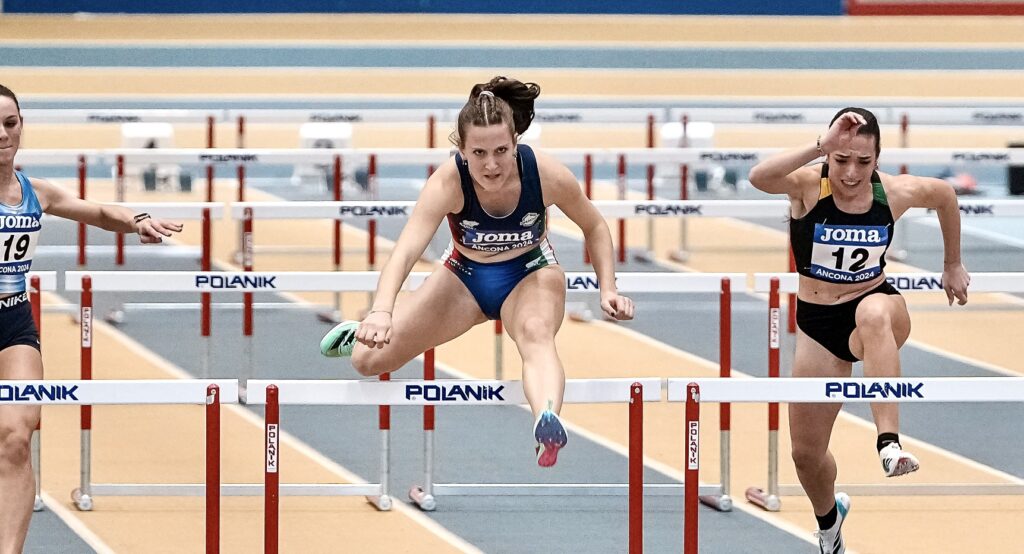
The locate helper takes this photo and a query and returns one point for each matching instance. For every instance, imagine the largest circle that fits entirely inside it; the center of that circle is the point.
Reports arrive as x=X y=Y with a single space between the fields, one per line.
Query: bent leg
x=810 y=425
x=437 y=312
x=17 y=483
x=532 y=315
x=883 y=325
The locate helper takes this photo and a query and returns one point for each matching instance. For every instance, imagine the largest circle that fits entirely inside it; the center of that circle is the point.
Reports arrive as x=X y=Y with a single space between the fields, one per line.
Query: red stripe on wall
x=853 y=7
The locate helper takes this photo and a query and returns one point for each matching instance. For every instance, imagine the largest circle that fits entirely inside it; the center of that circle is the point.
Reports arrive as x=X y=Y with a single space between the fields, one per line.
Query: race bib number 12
x=848 y=253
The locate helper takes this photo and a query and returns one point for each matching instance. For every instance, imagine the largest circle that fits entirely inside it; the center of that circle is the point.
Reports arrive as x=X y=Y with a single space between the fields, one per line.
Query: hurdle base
x=759 y=497
x=679 y=256
x=580 y=313
x=38 y=505
x=82 y=501
x=382 y=502
x=426 y=502
x=722 y=503
x=644 y=257
x=333 y=317
x=114 y=317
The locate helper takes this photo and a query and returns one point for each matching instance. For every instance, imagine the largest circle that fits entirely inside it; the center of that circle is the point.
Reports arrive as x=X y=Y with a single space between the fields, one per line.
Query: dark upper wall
x=680 y=7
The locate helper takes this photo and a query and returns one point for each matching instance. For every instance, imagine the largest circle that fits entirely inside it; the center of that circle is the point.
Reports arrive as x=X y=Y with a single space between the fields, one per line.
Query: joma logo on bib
x=19 y=222
x=499 y=238
x=851 y=235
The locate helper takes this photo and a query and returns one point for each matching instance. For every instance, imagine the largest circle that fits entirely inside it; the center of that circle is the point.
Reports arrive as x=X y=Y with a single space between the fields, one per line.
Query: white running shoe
x=830 y=540
x=896 y=462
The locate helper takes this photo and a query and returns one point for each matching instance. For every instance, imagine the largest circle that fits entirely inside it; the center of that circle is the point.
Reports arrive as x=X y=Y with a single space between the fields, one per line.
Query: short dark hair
x=506 y=101
x=870 y=127
x=4 y=91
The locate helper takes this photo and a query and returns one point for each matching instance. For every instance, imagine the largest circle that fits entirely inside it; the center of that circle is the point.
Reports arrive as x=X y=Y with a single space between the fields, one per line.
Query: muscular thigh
x=812 y=423
x=435 y=313
x=896 y=306
x=24 y=363
x=536 y=303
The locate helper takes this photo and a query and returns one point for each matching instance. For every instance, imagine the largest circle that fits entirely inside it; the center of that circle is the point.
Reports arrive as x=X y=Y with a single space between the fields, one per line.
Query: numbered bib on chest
x=848 y=253
x=18 y=237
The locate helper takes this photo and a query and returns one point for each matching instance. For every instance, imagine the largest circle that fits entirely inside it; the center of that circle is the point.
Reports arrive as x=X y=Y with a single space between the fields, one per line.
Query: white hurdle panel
x=776 y=283
x=86 y=393
x=823 y=390
x=468 y=393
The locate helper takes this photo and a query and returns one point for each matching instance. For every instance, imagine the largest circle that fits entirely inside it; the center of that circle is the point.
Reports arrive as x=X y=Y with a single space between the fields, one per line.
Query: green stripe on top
x=879 y=191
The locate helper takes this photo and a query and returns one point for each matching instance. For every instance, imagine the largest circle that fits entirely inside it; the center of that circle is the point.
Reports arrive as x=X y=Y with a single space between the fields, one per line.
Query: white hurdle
x=247 y=282
x=693 y=392
x=453 y=392
x=39 y=281
x=776 y=283
x=209 y=393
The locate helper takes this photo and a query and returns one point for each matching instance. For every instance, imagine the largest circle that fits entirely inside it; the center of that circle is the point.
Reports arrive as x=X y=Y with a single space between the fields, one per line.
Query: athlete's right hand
x=841 y=132
x=375 y=329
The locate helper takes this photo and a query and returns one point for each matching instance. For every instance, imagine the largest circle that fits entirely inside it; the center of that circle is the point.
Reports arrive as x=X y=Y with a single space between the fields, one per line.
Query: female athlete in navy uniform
x=842 y=216
x=495 y=195
x=22 y=204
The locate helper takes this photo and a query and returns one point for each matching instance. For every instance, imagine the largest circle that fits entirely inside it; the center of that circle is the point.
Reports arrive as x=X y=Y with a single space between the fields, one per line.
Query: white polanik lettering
x=693 y=445
x=273 y=452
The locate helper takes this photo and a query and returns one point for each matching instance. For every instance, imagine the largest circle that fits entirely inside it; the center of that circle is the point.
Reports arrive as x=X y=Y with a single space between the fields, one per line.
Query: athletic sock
x=885 y=439
x=828 y=520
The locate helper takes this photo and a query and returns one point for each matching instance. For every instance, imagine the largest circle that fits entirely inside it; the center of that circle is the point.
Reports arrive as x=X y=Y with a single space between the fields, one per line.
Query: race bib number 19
x=16 y=249
x=848 y=253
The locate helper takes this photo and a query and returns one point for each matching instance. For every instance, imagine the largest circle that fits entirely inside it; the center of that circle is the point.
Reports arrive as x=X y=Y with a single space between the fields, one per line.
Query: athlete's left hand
x=152 y=231
x=955 y=281
x=616 y=306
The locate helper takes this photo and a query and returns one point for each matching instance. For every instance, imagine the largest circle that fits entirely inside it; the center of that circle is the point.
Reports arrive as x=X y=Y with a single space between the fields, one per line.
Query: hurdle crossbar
x=86 y=393
x=776 y=283
x=463 y=392
x=694 y=157
x=814 y=390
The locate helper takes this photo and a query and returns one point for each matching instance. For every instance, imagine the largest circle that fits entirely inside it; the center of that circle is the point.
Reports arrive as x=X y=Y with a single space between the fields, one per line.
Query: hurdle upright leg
x=423 y=495
x=383 y=502
x=36 y=303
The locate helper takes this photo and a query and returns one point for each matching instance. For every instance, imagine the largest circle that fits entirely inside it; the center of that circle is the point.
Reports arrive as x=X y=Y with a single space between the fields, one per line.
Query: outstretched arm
x=565 y=192
x=59 y=202
x=434 y=203
x=936 y=194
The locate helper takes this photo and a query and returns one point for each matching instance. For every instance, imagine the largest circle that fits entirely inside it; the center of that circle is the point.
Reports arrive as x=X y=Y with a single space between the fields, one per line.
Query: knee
x=806 y=458
x=535 y=330
x=368 y=363
x=15 y=449
x=873 y=318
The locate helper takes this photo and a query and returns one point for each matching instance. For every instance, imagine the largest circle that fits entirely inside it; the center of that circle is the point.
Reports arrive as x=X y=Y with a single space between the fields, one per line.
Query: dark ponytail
x=499 y=101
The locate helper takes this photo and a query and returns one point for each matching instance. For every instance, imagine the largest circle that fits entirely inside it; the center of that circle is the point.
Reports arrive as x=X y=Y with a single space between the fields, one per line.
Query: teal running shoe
x=830 y=541
x=339 y=341
x=551 y=438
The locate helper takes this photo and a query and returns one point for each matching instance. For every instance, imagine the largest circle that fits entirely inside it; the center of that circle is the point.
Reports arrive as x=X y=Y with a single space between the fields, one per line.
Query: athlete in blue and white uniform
x=22 y=204
x=842 y=216
x=499 y=265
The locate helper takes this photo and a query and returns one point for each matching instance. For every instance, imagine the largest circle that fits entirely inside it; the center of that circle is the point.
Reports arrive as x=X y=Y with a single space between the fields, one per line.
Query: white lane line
x=78 y=526
x=81 y=528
